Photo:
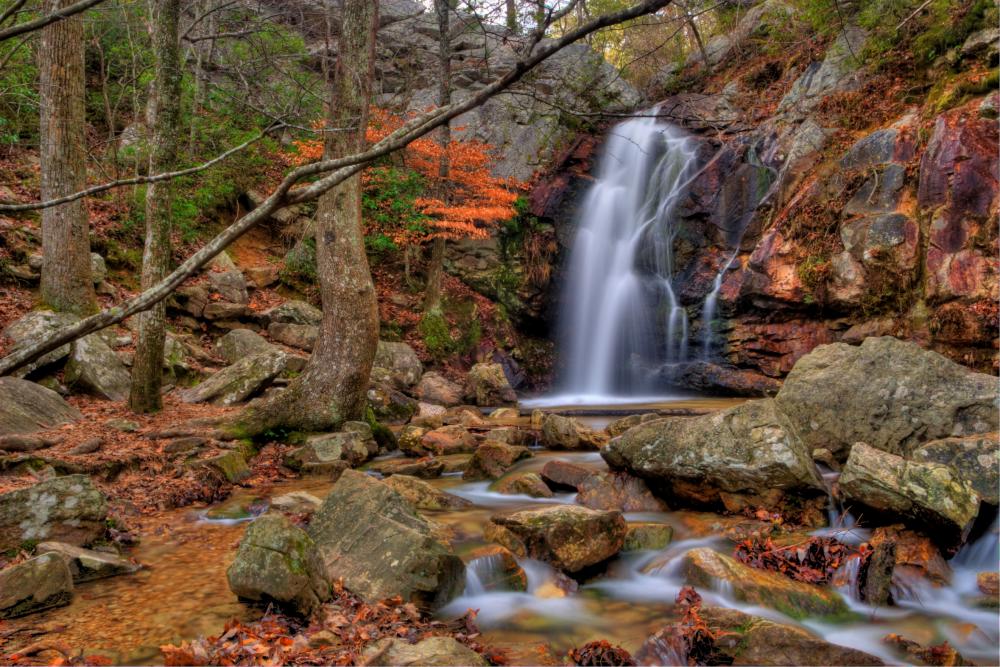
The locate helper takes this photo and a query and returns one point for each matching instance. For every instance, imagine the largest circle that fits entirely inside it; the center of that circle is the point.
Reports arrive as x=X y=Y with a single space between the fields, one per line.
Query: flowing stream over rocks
x=182 y=591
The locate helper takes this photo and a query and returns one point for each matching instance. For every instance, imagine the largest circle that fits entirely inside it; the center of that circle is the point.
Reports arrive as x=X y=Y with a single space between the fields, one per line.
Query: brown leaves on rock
x=813 y=561
x=689 y=641
x=940 y=655
x=599 y=654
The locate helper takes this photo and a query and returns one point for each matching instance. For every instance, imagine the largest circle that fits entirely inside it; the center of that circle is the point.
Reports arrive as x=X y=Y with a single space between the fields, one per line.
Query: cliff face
x=854 y=200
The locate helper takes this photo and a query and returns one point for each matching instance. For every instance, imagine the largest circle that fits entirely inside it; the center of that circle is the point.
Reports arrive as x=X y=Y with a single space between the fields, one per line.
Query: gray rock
x=982 y=44
x=294 y=312
x=559 y=432
x=370 y=536
x=276 y=562
x=834 y=74
x=975 y=457
x=240 y=343
x=436 y=389
x=40 y=583
x=33 y=327
x=296 y=502
x=62 y=509
x=239 y=381
x=302 y=336
x=26 y=407
x=750 y=449
x=890 y=394
x=87 y=565
x=487 y=385
x=354 y=445
x=423 y=496
x=94 y=368
x=400 y=361
x=225 y=278
x=432 y=652
x=98 y=268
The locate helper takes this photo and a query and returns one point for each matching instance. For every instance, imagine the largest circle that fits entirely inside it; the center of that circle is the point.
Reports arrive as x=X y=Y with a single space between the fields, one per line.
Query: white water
x=622 y=319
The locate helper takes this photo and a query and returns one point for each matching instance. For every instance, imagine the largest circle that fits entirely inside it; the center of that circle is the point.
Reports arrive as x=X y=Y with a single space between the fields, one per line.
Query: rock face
x=40 y=583
x=87 y=565
x=492 y=459
x=276 y=562
x=239 y=381
x=63 y=509
x=26 y=407
x=391 y=552
x=568 y=537
x=927 y=494
x=400 y=361
x=433 y=652
x=704 y=568
x=747 y=450
x=487 y=385
x=94 y=367
x=886 y=392
x=975 y=457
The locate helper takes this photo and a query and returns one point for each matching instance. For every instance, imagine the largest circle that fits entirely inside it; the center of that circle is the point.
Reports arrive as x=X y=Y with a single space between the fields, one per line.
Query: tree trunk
x=435 y=269
x=67 y=284
x=512 y=17
x=165 y=123
x=333 y=387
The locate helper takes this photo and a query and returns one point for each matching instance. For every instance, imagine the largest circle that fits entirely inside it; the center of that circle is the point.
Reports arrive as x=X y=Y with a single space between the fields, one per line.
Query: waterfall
x=622 y=320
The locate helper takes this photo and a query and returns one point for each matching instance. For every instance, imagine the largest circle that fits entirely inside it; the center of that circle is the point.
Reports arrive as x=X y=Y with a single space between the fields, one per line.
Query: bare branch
x=39 y=23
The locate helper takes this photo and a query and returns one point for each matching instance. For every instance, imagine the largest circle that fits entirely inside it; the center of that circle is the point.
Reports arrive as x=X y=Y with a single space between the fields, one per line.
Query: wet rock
x=497 y=569
x=524 y=483
x=302 y=336
x=914 y=556
x=296 y=502
x=277 y=563
x=568 y=537
x=454 y=462
x=34 y=585
x=647 y=536
x=293 y=312
x=560 y=432
x=424 y=496
x=33 y=327
x=94 y=367
x=231 y=465
x=926 y=494
x=511 y=435
x=435 y=388
x=564 y=476
x=239 y=381
x=618 y=491
x=492 y=459
x=87 y=565
x=240 y=343
x=454 y=439
x=354 y=445
x=66 y=509
x=401 y=362
x=425 y=468
x=622 y=424
x=391 y=552
x=933 y=655
x=719 y=380
x=886 y=392
x=704 y=568
x=988 y=583
x=705 y=460
x=410 y=438
x=390 y=405
x=975 y=457
x=433 y=652
x=487 y=385
x=504 y=415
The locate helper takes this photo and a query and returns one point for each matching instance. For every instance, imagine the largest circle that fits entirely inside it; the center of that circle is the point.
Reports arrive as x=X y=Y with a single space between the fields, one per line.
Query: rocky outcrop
x=26 y=407
x=391 y=552
x=63 y=509
x=40 y=583
x=36 y=326
x=492 y=459
x=239 y=381
x=888 y=393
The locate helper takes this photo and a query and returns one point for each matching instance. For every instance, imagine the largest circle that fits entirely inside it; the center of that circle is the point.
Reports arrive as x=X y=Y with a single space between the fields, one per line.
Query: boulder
x=931 y=495
x=87 y=565
x=749 y=450
x=353 y=445
x=409 y=439
x=400 y=361
x=33 y=327
x=276 y=562
x=512 y=435
x=497 y=569
x=454 y=439
x=302 y=336
x=492 y=459
x=564 y=476
x=560 y=432
x=231 y=465
x=40 y=583
x=647 y=536
x=425 y=468
x=62 y=509
x=836 y=73
x=713 y=379
x=622 y=424
x=487 y=385
x=914 y=556
x=429 y=652
x=240 y=343
x=569 y=537
x=423 y=496
x=390 y=404
x=239 y=381
x=888 y=393
x=296 y=502
x=706 y=568
x=524 y=483
x=505 y=415
x=26 y=407
x=225 y=278
x=293 y=312
x=372 y=538
x=93 y=367
x=618 y=491
x=437 y=389
x=975 y=457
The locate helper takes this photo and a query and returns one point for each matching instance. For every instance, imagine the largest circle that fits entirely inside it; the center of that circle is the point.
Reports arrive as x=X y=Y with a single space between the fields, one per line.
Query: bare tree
x=55 y=12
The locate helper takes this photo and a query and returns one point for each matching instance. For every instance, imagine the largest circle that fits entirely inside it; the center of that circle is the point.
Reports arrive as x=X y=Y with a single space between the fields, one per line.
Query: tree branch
x=58 y=15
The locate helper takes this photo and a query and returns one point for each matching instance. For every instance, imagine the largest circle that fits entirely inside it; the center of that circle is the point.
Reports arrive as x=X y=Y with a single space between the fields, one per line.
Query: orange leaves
x=600 y=652
x=813 y=561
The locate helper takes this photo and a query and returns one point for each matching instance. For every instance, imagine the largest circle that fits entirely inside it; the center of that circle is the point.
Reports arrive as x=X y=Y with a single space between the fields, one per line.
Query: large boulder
x=33 y=327
x=749 y=450
x=293 y=312
x=888 y=393
x=301 y=336
x=487 y=385
x=40 y=583
x=492 y=459
x=569 y=537
x=706 y=568
x=424 y=496
x=372 y=538
x=239 y=381
x=354 y=445
x=63 y=509
x=26 y=407
x=618 y=491
x=429 y=652
x=226 y=279
x=93 y=367
x=240 y=343
x=559 y=432
x=523 y=483
x=87 y=565
x=276 y=562
x=436 y=389
x=932 y=495
x=564 y=475
x=400 y=361
x=975 y=457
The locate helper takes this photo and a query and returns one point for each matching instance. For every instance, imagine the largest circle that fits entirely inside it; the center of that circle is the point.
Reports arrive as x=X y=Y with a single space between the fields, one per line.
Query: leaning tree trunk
x=165 y=121
x=333 y=387
x=67 y=283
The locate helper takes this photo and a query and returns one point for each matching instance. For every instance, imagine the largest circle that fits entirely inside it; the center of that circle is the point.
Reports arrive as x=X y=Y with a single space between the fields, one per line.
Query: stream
x=182 y=592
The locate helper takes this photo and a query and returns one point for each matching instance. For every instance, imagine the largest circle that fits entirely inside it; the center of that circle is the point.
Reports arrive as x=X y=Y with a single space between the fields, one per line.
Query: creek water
x=182 y=592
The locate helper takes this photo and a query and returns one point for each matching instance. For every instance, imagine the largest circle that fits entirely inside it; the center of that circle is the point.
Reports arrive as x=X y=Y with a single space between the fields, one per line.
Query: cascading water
x=622 y=264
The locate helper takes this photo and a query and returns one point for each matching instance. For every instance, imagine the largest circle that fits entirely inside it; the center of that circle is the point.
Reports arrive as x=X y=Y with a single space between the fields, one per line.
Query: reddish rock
x=774 y=347
x=563 y=475
x=492 y=459
x=455 y=439
x=618 y=491
x=916 y=556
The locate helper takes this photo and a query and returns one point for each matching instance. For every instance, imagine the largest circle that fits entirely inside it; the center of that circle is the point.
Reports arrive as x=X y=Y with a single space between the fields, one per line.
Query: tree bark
x=333 y=387
x=512 y=24
x=66 y=277
x=164 y=119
